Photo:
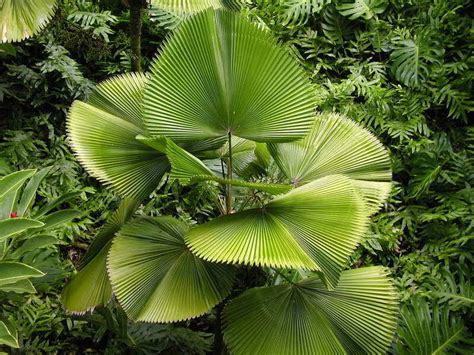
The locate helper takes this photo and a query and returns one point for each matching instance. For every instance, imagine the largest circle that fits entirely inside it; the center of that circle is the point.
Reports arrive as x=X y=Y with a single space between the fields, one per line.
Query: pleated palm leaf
x=20 y=19
x=219 y=89
x=358 y=317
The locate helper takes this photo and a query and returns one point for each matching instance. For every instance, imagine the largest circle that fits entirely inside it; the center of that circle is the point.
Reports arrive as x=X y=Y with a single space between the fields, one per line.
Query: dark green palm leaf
x=432 y=330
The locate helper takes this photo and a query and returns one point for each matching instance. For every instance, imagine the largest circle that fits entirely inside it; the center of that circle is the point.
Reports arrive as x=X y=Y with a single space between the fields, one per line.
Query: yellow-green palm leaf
x=220 y=73
x=20 y=19
x=103 y=130
x=358 y=317
x=315 y=226
x=337 y=145
x=157 y=279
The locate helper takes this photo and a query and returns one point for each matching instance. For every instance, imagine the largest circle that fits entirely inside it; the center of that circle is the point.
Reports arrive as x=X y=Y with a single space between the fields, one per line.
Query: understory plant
x=26 y=232
x=225 y=104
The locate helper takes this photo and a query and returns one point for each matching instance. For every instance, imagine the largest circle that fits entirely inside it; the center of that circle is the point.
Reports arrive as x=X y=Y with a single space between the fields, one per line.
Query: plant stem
x=136 y=13
x=229 y=176
x=218 y=338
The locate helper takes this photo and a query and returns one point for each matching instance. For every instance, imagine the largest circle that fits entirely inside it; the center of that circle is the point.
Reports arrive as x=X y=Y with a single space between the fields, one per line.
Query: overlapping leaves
x=337 y=145
x=315 y=226
x=91 y=287
x=103 y=130
x=157 y=279
x=358 y=317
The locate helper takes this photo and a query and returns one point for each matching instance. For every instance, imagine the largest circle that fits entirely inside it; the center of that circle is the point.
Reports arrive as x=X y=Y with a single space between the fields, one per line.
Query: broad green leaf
x=188 y=169
x=298 y=11
x=337 y=145
x=21 y=286
x=157 y=279
x=8 y=335
x=410 y=58
x=220 y=73
x=12 y=226
x=91 y=287
x=56 y=202
x=103 y=131
x=11 y=272
x=14 y=181
x=29 y=193
x=315 y=227
x=58 y=218
x=20 y=19
x=34 y=243
x=358 y=317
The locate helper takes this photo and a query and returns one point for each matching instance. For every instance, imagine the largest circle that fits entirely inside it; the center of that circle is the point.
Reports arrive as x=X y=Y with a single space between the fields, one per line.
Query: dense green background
x=403 y=68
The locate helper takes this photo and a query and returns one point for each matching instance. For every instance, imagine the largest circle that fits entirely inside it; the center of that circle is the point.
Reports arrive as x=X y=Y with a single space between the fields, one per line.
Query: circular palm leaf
x=20 y=19
x=337 y=145
x=157 y=279
x=315 y=226
x=221 y=74
x=103 y=130
x=358 y=317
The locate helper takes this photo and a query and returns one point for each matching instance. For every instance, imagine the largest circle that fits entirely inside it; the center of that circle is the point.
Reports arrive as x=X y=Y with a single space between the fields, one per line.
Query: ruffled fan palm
x=20 y=19
x=221 y=89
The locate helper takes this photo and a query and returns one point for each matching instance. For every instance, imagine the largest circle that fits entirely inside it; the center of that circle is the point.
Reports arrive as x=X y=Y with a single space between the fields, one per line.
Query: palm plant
x=223 y=89
x=20 y=19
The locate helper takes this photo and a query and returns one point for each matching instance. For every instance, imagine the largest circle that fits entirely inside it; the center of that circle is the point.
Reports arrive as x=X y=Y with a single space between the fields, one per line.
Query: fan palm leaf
x=20 y=19
x=337 y=145
x=315 y=226
x=157 y=279
x=358 y=317
x=221 y=74
x=91 y=287
x=103 y=130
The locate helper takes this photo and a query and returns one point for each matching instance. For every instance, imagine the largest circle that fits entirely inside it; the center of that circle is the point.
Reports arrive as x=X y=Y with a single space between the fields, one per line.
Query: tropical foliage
x=200 y=201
